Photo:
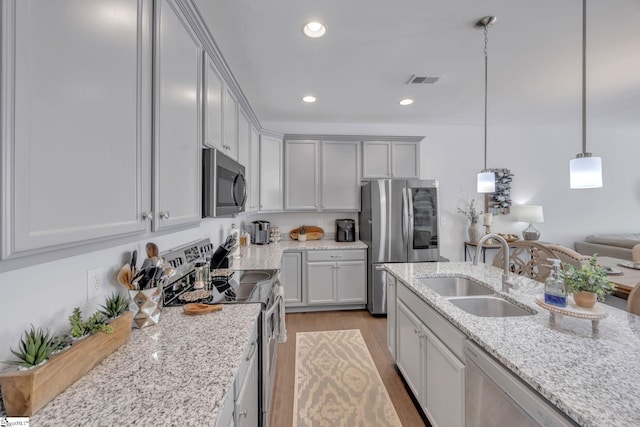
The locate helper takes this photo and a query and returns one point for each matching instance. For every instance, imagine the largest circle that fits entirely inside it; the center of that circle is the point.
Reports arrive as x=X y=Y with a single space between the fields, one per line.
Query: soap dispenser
x=555 y=291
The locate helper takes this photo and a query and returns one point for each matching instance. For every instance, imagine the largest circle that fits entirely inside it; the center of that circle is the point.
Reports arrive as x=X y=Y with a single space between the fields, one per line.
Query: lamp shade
x=585 y=172
x=486 y=182
x=529 y=213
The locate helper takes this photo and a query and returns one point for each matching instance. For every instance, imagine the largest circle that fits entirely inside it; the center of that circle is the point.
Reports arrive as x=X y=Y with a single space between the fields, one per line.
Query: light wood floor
x=374 y=331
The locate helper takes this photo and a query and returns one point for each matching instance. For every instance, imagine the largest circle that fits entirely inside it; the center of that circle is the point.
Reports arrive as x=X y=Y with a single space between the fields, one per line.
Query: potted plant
x=34 y=348
x=114 y=306
x=587 y=283
x=472 y=213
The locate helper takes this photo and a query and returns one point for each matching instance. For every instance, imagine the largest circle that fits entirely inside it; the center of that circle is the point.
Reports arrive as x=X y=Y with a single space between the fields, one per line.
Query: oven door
x=270 y=334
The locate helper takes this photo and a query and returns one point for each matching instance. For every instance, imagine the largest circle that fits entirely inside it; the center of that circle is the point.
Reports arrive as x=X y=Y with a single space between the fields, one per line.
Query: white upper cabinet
x=213 y=92
x=322 y=175
x=230 y=142
x=270 y=174
x=244 y=138
x=340 y=176
x=76 y=104
x=253 y=172
x=178 y=143
x=301 y=160
x=390 y=159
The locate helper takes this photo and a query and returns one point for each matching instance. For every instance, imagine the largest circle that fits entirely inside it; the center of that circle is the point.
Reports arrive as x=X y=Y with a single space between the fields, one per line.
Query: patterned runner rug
x=337 y=383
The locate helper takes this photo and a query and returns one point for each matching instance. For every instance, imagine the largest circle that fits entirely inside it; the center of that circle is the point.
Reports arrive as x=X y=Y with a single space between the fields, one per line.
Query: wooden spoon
x=152 y=250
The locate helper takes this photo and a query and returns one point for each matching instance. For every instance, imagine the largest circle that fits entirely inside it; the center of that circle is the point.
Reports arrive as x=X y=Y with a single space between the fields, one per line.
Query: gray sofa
x=612 y=245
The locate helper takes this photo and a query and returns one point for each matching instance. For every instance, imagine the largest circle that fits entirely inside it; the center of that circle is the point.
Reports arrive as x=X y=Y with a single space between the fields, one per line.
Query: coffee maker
x=260 y=232
x=345 y=230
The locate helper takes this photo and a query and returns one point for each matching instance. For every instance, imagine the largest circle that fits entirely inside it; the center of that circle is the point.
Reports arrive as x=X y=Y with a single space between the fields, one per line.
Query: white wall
x=539 y=158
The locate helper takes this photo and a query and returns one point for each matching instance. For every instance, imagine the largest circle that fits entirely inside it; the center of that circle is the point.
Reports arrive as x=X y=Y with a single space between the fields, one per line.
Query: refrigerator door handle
x=405 y=216
x=410 y=227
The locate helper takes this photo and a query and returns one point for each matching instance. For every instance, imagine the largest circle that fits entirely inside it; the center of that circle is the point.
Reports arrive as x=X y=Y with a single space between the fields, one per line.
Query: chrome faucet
x=506 y=277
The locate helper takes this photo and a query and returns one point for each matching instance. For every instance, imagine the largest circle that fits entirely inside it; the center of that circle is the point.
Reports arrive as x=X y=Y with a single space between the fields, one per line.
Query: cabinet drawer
x=445 y=331
x=346 y=255
x=250 y=350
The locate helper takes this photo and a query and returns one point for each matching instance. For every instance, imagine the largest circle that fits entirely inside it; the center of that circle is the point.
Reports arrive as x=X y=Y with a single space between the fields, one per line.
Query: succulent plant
x=114 y=306
x=35 y=347
x=61 y=342
x=303 y=230
x=96 y=323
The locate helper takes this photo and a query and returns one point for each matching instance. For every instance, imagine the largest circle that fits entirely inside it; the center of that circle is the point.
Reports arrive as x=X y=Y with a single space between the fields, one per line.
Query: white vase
x=474 y=232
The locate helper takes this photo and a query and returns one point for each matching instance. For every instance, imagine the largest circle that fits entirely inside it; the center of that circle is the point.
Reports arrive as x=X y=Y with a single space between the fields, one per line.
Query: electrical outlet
x=94 y=283
x=443 y=221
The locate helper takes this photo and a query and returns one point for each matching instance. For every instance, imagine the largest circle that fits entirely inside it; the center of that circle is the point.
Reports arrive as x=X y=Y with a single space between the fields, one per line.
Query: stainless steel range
x=230 y=286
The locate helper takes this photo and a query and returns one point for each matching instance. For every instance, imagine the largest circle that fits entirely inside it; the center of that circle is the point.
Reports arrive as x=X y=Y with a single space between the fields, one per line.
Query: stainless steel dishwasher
x=495 y=397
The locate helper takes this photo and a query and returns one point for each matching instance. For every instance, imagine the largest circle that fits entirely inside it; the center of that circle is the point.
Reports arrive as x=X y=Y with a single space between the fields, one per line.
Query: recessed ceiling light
x=309 y=98
x=314 y=30
x=406 y=102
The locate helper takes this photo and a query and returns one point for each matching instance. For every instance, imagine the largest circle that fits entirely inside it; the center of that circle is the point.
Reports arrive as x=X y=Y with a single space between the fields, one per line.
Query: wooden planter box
x=25 y=392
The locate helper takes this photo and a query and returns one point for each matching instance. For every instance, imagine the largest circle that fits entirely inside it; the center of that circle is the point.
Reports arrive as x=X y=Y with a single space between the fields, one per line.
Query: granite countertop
x=268 y=257
x=177 y=372
x=593 y=378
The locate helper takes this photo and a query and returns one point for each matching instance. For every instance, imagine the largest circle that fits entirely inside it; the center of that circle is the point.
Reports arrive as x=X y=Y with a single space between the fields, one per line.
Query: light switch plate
x=94 y=283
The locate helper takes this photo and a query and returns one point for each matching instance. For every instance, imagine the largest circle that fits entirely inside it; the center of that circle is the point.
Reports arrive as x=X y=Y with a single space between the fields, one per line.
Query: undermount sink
x=455 y=286
x=255 y=276
x=489 y=306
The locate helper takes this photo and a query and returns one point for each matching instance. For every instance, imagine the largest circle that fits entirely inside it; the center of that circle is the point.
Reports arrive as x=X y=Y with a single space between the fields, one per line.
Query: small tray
x=630 y=264
x=572 y=310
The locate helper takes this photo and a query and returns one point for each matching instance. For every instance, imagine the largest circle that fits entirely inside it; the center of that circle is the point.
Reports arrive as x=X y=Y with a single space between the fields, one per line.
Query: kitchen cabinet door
x=445 y=376
x=391 y=315
x=321 y=283
x=76 y=125
x=291 y=278
x=301 y=175
x=351 y=282
x=247 y=411
x=253 y=171
x=270 y=174
x=213 y=92
x=390 y=159
x=340 y=182
x=244 y=141
x=230 y=116
x=410 y=351
x=177 y=120
x=405 y=160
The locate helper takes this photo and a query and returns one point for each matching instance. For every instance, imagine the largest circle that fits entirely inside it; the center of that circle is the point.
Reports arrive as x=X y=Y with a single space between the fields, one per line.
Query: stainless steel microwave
x=224 y=187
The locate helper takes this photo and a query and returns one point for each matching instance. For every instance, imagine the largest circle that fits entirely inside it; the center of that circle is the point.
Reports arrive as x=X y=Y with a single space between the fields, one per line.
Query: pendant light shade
x=585 y=171
x=486 y=182
x=486 y=178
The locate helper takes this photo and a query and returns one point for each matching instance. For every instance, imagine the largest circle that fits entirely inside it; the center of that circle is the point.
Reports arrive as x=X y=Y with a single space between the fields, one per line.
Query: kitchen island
x=591 y=377
x=178 y=372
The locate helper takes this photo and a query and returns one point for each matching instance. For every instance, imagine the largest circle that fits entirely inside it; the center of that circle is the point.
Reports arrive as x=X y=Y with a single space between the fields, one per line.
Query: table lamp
x=530 y=214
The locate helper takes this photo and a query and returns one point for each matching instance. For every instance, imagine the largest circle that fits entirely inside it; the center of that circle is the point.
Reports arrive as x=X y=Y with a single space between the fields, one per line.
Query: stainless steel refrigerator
x=399 y=222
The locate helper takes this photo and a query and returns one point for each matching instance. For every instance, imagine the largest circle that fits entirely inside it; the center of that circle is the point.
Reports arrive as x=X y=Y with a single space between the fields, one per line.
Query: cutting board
x=313 y=233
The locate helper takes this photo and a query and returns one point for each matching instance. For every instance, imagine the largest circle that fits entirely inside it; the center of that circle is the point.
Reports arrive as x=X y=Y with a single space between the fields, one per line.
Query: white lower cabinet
x=425 y=345
x=291 y=278
x=336 y=277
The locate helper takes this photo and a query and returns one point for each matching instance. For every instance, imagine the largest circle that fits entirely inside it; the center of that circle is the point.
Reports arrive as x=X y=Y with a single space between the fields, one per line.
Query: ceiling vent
x=423 y=80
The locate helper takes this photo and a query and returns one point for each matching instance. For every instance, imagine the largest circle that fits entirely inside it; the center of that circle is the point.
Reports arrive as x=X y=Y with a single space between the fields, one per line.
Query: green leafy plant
x=97 y=322
x=34 y=348
x=470 y=210
x=303 y=230
x=589 y=278
x=61 y=342
x=114 y=306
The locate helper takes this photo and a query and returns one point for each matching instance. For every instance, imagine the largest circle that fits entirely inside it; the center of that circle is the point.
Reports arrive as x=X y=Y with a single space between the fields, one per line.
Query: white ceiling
x=359 y=69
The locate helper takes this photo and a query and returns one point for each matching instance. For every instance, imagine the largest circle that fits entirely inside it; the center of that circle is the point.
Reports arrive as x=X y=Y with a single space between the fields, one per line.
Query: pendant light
x=486 y=178
x=585 y=171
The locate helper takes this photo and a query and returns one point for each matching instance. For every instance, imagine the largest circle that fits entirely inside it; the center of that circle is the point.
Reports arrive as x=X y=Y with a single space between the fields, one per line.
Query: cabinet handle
x=335 y=256
x=164 y=215
x=243 y=413
x=251 y=352
x=147 y=216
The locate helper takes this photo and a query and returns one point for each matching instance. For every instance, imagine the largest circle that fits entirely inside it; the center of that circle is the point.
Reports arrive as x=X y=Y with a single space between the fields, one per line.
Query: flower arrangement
x=470 y=211
x=589 y=278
